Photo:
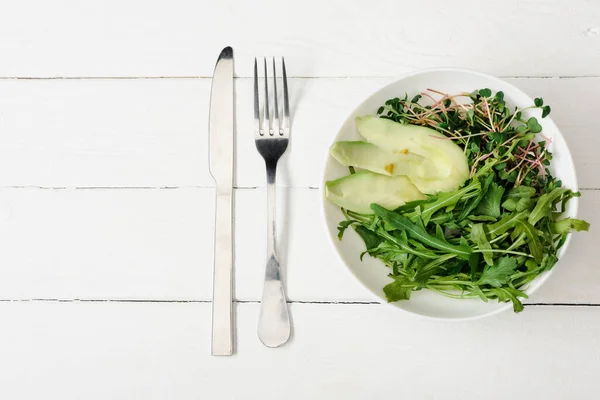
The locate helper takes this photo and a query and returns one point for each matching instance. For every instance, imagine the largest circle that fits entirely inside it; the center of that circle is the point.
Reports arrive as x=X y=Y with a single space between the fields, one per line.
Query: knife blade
x=221 y=145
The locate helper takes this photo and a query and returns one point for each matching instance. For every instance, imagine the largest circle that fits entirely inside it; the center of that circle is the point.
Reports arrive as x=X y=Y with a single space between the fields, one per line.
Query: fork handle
x=274 y=319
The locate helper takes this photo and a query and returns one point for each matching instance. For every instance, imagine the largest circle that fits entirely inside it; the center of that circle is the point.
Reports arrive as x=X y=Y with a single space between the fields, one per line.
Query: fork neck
x=271 y=171
x=271 y=202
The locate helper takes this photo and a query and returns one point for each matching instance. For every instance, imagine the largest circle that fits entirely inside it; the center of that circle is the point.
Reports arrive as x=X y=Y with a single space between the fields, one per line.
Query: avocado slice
x=448 y=159
x=356 y=192
x=366 y=155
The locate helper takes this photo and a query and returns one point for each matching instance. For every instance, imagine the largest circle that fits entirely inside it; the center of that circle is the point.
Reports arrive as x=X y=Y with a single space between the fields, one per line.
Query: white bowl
x=371 y=272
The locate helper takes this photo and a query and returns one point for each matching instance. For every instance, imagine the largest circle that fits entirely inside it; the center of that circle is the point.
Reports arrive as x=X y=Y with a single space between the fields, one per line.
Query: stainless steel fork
x=272 y=137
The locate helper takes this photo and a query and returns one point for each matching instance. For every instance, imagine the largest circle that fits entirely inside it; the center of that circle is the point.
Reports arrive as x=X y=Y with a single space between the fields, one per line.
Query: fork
x=272 y=137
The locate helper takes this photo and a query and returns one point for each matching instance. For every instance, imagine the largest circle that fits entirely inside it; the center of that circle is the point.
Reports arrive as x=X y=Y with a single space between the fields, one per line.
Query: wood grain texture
x=67 y=38
x=153 y=132
x=157 y=244
x=160 y=351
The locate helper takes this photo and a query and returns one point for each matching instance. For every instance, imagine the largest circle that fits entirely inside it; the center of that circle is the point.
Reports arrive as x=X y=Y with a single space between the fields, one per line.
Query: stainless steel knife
x=221 y=142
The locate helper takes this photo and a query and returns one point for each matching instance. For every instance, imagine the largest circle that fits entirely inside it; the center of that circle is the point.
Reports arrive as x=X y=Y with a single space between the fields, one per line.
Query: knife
x=221 y=137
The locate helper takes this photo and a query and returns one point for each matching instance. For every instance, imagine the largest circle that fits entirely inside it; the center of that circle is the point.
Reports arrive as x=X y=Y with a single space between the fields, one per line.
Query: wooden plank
x=157 y=351
x=145 y=38
x=157 y=244
x=153 y=132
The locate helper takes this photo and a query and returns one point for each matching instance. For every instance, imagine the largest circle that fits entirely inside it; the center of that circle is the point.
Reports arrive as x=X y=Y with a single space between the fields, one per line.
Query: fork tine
x=257 y=125
x=276 y=126
x=286 y=104
x=267 y=122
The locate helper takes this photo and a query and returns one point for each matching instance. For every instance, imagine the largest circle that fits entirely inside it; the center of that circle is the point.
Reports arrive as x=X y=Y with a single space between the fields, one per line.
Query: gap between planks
x=316 y=302
x=201 y=77
x=29 y=187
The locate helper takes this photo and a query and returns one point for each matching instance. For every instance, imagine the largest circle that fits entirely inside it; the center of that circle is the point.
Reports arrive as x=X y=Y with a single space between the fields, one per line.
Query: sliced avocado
x=366 y=155
x=450 y=162
x=356 y=192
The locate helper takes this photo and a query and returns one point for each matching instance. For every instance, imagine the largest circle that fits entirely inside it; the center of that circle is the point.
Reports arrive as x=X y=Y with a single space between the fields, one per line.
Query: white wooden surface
x=106 y=204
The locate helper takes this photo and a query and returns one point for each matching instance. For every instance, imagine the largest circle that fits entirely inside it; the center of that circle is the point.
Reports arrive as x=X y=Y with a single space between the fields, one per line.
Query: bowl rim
x=541 y=279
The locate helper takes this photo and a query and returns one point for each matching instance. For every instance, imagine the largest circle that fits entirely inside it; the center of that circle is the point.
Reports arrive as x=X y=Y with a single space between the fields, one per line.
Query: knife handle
x=222 y=335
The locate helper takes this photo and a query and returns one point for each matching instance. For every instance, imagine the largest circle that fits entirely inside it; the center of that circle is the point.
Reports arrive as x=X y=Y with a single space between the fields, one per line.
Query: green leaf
x=473 y=264
x=399 y=242
x=472 y=204
x=509 y=294
x=342 y=226
x=471 y=119
x=522 y=204
x=533 y=125
x=506 y=223
x=533 y=240
x=538 y=101
x=371 y=239
x=490 y=204
x=416 y=98
x=479 y=237
x=399 y=289
x=485 y=92
x=519 y=198
x=521 y=192
x=568 y=225
x=418 y=232
x=498 y=137
x=499 y=273
x=500 y=166
x=482 y=218
x=545 y=205
x=424 y=272
x=548 y=262
x=445 y=199
x=545 y=111
x=525 y=204
x=411 y=205
x=510 y=204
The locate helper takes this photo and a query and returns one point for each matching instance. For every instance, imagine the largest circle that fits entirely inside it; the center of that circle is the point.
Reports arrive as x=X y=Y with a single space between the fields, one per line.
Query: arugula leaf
x=445 y=199
x=342 y=226
x=472 y=205
x=568 y=225
x=506 y=223
x=521 y=192
x=431 y=268
x=519 y=198
x=545 y=205
x=533 y=240
x=525 y=204
x=548 y=262
x=479 y=237
x=399 y=289
x=473 y=264
x=371 y=239
x=399 y=241
x=411 y=205
x=490 y=204
x=483 y=218
x=477 y=290
x=498 y=274
x=509 y=294
x=418 y=232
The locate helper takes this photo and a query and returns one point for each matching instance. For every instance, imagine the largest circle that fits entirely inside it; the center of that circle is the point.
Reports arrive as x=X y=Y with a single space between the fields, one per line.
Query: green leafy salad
x=454 y=194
